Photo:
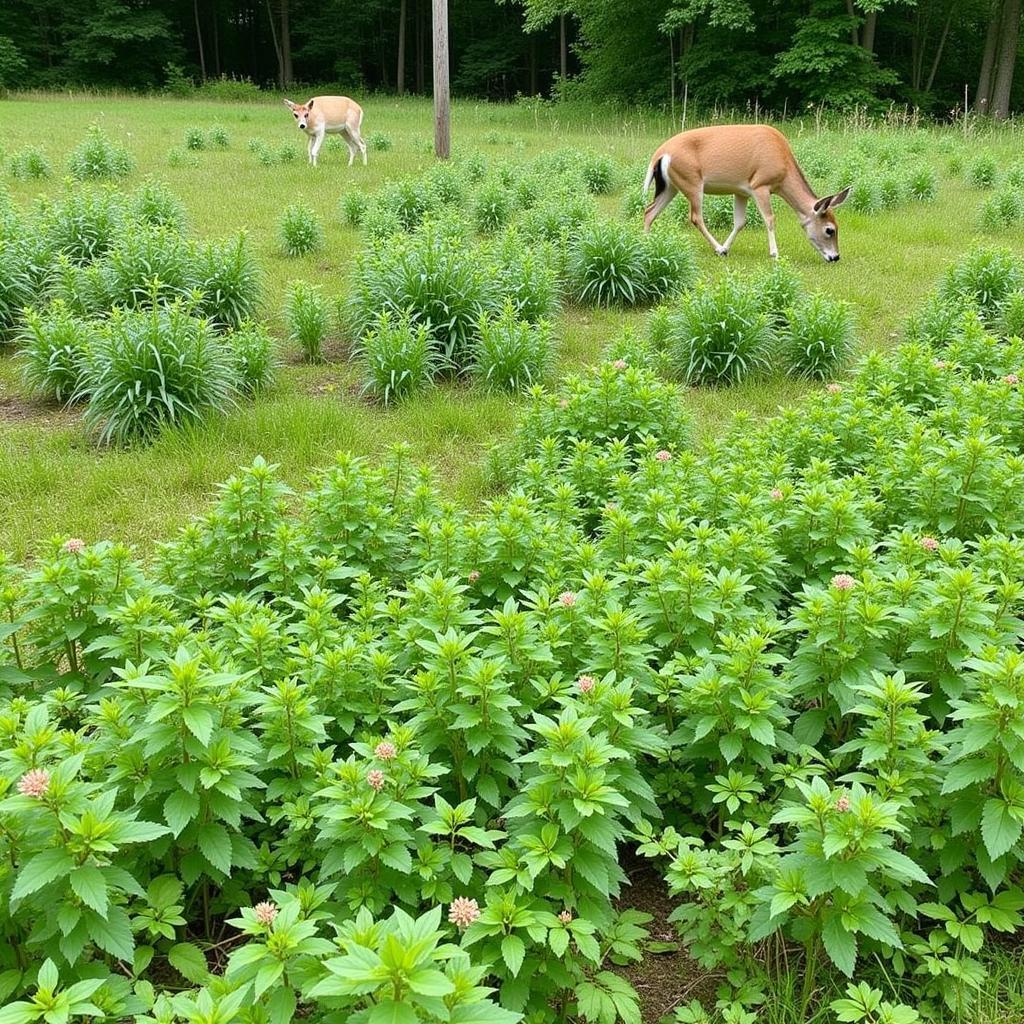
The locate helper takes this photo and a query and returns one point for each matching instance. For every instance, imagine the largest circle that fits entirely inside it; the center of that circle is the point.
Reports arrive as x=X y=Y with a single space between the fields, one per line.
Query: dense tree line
x=777 y=54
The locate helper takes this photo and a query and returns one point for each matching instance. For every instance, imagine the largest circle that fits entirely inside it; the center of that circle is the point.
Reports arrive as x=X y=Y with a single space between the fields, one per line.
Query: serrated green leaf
x=513 y=950
x=188 y=960
x=91 y=887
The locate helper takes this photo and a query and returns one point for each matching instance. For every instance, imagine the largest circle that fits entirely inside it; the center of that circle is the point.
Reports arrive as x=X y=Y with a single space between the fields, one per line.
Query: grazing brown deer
x=745 y=161
x=324 y=115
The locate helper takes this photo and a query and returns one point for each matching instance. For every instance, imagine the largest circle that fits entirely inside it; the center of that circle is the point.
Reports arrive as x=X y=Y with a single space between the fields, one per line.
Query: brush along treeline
x=355 y=754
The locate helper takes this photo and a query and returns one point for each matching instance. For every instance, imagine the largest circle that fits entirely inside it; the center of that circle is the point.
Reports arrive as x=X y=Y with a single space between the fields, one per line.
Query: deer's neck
x=798 y=193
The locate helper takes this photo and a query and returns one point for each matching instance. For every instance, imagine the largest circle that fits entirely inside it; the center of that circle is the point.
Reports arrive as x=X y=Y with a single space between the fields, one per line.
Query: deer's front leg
x=318 y=141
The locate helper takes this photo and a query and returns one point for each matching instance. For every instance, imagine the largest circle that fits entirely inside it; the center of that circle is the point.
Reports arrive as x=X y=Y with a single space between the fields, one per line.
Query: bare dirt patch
x=17 y=410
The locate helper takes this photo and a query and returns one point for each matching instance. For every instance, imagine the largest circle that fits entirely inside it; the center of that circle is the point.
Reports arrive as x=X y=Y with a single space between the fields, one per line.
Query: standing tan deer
x=324 y=115
x=744 y=161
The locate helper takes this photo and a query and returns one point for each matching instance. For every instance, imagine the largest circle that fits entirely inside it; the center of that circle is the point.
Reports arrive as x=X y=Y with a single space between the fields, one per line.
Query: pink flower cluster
x=940 y=364
x=385 y=751
x=473 y=576
x=463 y=912
x=834 y=389
x=34 y=783
x=586 y=683
x=776 y=494
x=843 y=581
x=265 y=912
x=1011 y=378
x=567 y=599
x=565 y=917
x=929 y=544
x=619 y=364
x=74 y=545
x=376 y=780
x=663 y=456
x=843 y=804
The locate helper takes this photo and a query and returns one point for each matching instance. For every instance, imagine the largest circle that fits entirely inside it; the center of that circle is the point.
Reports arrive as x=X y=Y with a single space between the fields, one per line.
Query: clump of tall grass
x=353 y=208
x=54 y=349
x=399 y=358
x=97 y=157
x=308 y=318
x=379 y=142
x=983 y=171
x=492 y=207
x=81 y=223
x=226 y=276
x=154 y=203
x=253 y=357
x=155 y=368
x=299 y=231
x=217 y=136
x=147 y=265
x=984 y=277
x=527 y=275
x=818 y=338
x=1001 y=210
x=29 y=164
x=509 y=353
x=779 y=287
x=719 y=334
x=195 y=139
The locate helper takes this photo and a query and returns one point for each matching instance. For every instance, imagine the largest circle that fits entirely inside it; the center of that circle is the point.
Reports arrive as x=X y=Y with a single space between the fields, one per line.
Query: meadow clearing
x=594 y=702
x=891 y=258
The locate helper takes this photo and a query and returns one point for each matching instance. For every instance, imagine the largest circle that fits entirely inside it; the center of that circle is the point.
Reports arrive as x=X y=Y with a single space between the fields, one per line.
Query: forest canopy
x=776 y=54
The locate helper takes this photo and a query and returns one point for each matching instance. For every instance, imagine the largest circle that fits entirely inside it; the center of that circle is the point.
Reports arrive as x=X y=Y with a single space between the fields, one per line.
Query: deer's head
x=301 y=112
x=821 y=227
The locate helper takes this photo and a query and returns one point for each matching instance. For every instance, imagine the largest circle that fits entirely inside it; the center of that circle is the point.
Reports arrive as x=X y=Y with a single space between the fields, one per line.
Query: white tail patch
x=649 y=179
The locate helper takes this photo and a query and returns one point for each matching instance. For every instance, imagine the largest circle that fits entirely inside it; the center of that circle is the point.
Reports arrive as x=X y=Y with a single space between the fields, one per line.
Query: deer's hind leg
x=695 y=197
x=739 y=220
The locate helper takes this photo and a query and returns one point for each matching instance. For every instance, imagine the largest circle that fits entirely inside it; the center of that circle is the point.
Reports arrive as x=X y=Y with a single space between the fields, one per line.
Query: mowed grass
x=54 y=481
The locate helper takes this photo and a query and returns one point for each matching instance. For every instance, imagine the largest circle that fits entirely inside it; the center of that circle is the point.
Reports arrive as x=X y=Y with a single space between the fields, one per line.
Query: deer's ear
x=822 y=205
x=309 y=105
x=839 y=198
x=289 y=104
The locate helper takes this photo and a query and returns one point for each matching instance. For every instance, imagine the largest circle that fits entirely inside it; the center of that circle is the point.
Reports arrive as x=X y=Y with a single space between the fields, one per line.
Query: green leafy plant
x=306 y=313
x=299 y=231
x=509 y=353
x=55 y=350
x=97 y=157
x=399 y=357
x=818 y=337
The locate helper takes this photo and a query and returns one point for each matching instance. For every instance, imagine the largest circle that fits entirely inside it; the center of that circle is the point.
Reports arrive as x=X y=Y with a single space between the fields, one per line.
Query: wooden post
x=400 y=71
x=442 y=112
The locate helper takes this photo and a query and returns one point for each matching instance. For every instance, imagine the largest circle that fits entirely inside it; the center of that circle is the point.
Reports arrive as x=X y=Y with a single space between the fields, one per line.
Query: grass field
x=54 y=481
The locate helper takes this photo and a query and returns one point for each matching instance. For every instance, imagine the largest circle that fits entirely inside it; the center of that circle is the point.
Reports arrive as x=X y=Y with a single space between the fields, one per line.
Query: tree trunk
x=420 y=37
x=854 y=37
x=442 y=113
x=563 y=49
x=277 y=46
x=199 y=39
x=286 y=46
x=867 y=38
x=942 y=46
x=216 y=40
x=988 y=60
x=1007 y=61
x=400 y=70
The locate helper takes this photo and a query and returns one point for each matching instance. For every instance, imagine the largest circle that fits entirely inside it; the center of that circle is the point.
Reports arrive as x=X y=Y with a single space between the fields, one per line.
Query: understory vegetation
x=357 y=753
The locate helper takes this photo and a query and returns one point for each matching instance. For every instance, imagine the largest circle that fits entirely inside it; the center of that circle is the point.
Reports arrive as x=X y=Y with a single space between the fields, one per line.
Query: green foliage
x=984 y=277
x=509 y=353
x=307 y=316
x=983 y=171
x=195 y=139
x=299 y=231
x=719 y=334
x=217 y=137
x=818 y=337
x=492 y=207
x=29 y=164
x=1001 y=210
x=154 y=203
x=353 y=208
x=253 y=357
x=613 y=264
x=154 y=369
x=399 y=358
x=54 y=350
x=96 y=157
x=380 y=142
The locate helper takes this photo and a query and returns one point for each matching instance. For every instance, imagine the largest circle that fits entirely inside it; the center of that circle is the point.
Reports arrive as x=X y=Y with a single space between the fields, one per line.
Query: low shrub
x=1011 y=315
x=195 y=139
x=527 y=275
x=96 y=157
x=984 y=277
x=447 y=184
x=509 y=353
x=411 y=200
x=598 y=173
x=286 y=153
x=227 y=278
x=353 y=208
x=983 y=171
x=253 y=357
x=778 y=287
x=29 y=164
x=153 y=369
x=614 y=264
x=399 y=358
x=81 y=223
x=54 y=349
x=431 y=276
x=155 y=204
x=866 y=194
x=818 y=338
x=720 y=334
x=308 y=318
x=492 y=207
x=147 y=265
x=922 y=183
x=178 y=157
x=1001 y=210
x=380 y=142
x=380 y=222
x=299 y=231
x=218 y=137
